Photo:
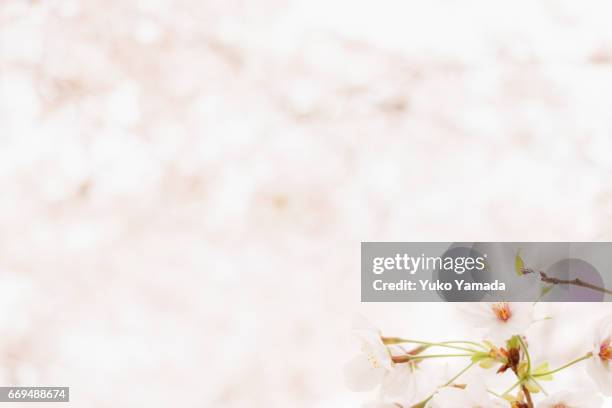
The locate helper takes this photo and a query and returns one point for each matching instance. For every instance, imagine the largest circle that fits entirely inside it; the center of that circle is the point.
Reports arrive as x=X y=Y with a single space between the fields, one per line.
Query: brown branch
x=527 y=396
x=575 y=282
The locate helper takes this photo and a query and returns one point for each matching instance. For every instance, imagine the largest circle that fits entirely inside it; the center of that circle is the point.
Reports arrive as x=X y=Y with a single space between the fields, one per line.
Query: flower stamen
x=374 y=363
x=605 y=350
x=502 y=311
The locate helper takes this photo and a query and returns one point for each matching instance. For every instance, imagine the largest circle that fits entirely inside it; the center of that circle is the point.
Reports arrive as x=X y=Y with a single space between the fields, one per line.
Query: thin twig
x=528 y=396
x=576 y=282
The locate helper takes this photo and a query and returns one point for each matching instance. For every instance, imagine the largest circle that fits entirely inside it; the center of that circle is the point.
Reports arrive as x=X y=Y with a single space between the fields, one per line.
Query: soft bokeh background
x=184 y=184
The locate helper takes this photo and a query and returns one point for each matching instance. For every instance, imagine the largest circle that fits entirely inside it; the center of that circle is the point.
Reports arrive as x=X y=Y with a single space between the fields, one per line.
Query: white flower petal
x=371 y=342
x=604 y=331
x=361 y=375
x=575 y=399
x=473 y=396
x=399 y=382
x=601 y=373
x=599 y=369
x=380 y=404
x=483 y=316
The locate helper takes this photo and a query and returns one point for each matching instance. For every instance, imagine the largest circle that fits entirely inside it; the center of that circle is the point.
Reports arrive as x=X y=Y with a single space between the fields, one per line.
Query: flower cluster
x=393 y=366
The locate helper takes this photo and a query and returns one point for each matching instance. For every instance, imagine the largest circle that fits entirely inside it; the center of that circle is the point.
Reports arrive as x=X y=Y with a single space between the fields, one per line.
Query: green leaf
x=547 y=289
x=513 y=343
x=519 y=265
x=541 y=369
x=489 y=344
x=544 y=292
x=478 y=356
x=510 y=398
x=487 y=363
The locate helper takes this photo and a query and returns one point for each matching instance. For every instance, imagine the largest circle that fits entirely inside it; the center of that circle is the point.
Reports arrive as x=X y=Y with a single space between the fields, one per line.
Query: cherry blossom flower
x=576 y=399
x=428 y=380
x=600 y=366
x=500 y=320
x=472 y=396
x=383 y=405
x=374 y=366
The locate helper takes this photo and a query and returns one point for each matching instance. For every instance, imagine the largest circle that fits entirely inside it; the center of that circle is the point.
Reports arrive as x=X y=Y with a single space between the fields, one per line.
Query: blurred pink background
x=184 y=184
